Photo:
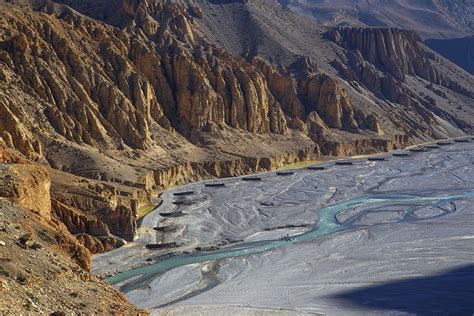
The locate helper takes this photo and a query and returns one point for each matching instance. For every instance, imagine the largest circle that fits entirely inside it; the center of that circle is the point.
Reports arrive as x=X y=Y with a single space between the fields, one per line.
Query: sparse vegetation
x=144 y=210
x=298 y=165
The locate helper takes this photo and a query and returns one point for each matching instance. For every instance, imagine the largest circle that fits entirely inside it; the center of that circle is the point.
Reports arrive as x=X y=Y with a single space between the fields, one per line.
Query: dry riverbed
x=404 y=236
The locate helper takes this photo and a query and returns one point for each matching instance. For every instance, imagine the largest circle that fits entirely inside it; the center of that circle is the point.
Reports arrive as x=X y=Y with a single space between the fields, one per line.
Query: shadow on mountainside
x=447 y=293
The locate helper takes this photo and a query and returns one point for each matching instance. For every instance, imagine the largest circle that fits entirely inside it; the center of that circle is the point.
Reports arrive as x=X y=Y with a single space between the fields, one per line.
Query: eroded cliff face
x=28 y=186
x=106 y=88
x=383 y=60
x=43 y=269
x=78 y=72
x=101 y=215
x=132 y=98
x=188 y=172
x=397 y=52
x=206 y=85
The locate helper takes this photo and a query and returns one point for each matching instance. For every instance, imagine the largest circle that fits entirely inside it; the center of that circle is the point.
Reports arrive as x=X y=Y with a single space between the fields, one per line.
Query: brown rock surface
x=43 y=269
x=125 y=98
x=46 y=277
x=28 y=186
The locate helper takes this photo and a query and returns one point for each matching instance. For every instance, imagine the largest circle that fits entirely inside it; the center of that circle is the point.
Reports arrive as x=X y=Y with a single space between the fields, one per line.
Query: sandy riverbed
x=381 y=264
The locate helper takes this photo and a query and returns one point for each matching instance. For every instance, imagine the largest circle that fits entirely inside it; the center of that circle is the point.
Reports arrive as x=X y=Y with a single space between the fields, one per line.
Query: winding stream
x=326 y=224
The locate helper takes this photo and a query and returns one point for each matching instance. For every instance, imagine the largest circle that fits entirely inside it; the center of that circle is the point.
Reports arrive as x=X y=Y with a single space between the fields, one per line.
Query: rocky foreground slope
x=43 y=269
x=124 y=98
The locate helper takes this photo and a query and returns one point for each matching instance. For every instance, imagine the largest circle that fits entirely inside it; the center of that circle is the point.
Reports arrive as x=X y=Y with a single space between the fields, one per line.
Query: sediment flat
x=407 y=236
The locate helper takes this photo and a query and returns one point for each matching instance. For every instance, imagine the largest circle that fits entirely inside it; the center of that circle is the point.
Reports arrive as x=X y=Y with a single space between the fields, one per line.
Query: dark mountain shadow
x=449 y=293
x=459 y=50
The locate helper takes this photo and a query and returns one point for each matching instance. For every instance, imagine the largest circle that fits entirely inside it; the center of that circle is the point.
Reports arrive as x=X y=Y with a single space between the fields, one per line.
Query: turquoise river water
x=326 y=224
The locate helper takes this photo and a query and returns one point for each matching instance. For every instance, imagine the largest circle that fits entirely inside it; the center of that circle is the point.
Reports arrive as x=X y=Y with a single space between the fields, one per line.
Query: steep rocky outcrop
x=77 y=223
x=397 y=52
x=205 y=85
x=101 y=211
x=43 y=268
x=14 y=132
x=383 y=59
x=28 y=186
x=132 y=97
x=312 y=92
x=99 y=244
x=101 y=95
x=91 y=95
x=353 y=147
x=446 y=26
x=185 y=173
x=94 y=234
x=118 y=100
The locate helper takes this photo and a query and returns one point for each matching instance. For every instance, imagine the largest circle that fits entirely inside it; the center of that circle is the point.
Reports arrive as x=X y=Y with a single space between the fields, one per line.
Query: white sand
x=315 y=276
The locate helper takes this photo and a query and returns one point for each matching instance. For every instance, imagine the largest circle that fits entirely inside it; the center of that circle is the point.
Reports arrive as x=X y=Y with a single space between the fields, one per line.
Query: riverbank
x=243 y=210
x=146 y=233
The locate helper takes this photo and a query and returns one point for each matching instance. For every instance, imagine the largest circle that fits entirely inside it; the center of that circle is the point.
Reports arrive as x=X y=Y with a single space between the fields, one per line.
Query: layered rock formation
x=118 y=105
x=383 y=59
x=42 y=265
x=28 y=186
x=131 y=97
x=445 y=25
x=119 y=100
x=82 y=81
x=397 y=52
x=185 y=173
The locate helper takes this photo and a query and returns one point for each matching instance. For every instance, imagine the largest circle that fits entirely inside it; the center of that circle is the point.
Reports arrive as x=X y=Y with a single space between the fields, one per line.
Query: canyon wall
x=397 y=52
x=127 y=98
x=383 y=59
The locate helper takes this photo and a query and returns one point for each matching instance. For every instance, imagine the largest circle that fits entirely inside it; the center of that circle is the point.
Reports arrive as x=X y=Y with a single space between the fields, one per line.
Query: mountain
x=434 y=19
x=447 y=26
x=120 y=99
x=124 y=98
x=458 y=50
x=43 y=267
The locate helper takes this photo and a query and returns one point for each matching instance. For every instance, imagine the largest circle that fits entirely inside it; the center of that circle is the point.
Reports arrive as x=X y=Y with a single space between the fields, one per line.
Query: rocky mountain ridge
x=445 y=25
x=440 y=19
x=406 y=58
x=125 y=98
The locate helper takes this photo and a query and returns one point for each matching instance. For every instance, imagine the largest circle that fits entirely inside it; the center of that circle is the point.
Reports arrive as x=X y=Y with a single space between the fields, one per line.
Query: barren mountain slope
x=124 y=98
x=281 y=38
x=459 y=50
x=43 y=269
x=445 y=25
x=430 y=19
